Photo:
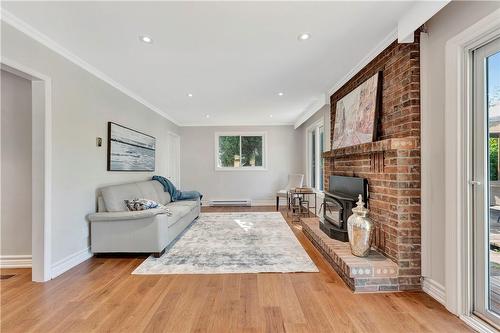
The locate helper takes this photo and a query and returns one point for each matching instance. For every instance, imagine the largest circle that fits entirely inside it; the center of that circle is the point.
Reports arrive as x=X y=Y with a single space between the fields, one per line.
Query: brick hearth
x=371 y=274
x=391 y=164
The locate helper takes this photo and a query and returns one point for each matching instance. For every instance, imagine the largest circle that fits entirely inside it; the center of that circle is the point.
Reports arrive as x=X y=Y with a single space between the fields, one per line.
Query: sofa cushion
x=176 y=213
x=127 y=215
x=184 y=203
x=114 y=196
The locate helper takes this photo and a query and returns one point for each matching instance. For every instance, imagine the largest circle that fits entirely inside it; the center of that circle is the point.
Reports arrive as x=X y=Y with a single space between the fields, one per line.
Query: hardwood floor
x=101 y=295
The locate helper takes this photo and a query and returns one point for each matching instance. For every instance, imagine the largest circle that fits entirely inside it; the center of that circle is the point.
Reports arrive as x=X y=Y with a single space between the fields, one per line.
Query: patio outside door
x=486 y=181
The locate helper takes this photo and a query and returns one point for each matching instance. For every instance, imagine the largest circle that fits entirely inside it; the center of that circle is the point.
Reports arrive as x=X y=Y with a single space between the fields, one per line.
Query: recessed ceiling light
x=190 y=95
x=304 y=36
x=146 y=39
x=280 y=94
x=207 y=116
x=270 y=116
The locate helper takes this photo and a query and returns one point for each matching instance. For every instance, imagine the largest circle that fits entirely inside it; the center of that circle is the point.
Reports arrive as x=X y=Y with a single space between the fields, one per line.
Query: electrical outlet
x=98 y=142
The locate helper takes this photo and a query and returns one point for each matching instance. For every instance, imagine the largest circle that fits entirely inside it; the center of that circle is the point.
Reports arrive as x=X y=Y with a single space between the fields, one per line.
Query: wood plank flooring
x=100 y=295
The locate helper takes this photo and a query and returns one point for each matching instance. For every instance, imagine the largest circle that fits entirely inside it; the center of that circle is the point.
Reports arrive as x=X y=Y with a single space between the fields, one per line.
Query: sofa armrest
x=121 y=216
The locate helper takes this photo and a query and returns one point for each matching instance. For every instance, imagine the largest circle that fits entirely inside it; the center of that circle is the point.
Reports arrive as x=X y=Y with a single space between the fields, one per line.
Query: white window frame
x=458 y=224
x=480 y=171
x=314 y=128
x=240 y=134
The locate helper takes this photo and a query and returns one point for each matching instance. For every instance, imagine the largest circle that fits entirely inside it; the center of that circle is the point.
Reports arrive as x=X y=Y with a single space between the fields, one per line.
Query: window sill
x=242 y=169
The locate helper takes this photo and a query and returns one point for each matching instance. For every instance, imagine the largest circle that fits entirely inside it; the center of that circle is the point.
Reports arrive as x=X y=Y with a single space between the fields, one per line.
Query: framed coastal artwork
x=355 y=114
x=130 y=150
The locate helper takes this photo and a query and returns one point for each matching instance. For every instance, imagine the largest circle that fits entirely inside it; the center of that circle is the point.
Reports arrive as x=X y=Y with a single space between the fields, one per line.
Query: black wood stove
x=341 y=197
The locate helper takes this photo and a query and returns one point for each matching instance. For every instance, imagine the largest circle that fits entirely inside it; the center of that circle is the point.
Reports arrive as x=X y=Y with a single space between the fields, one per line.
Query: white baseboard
x=15 y=261
x=70 y=261
x=478 y=325
x=265 y=202
x=435 y=290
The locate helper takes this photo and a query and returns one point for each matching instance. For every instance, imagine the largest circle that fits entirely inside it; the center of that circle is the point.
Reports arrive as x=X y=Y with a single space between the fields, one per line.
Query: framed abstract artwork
x=355 y=114
x=130 y=150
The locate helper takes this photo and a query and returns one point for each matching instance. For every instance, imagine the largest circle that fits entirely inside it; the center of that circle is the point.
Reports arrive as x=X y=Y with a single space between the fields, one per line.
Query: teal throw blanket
x=176 y=194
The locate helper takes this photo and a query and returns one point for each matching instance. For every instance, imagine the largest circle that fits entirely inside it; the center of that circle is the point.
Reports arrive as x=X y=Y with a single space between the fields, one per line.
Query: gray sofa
x=115 y=229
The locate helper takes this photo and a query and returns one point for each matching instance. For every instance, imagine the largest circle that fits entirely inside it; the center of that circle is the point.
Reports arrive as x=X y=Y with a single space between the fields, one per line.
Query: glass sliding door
x=315 y=142
x=313 y=159
x=321 y=134
x=486 y=181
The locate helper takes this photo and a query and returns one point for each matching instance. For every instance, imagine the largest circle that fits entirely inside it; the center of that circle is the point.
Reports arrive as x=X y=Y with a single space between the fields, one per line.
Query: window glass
x=229 y=151
x=321 y=149
x=313 y=158
x=240 y=151
x=251 y=151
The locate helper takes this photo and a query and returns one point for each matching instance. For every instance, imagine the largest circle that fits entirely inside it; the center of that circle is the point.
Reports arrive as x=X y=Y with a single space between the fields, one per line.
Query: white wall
x=81 y=107
x=198 y=164
x=321 y=114
x=454 y=18
x=16 y=165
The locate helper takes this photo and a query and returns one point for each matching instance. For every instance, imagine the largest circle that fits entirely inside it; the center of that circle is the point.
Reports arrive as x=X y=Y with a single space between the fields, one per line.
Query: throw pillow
x=140 y=204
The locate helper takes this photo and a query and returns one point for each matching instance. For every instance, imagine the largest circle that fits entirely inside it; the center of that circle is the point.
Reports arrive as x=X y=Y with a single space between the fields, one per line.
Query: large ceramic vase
x=360 y=230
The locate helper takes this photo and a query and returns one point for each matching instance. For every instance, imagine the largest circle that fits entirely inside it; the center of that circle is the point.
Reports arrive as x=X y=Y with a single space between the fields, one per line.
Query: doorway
x=173 y=159
x=16 y=157
x=41 y=168
x=486 y=184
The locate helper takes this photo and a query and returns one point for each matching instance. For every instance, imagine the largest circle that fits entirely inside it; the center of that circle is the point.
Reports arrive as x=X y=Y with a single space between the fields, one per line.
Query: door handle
x=474 y=182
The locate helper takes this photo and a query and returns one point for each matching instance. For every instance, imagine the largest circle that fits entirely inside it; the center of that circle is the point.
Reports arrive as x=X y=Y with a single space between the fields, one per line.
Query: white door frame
x=178 y=167
x=41 y=166
x=309 y=129
x=481 y=192
x=458 y=219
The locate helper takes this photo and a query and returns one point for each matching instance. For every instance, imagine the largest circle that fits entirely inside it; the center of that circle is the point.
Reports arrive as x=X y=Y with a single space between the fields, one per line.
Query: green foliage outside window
x=229 y=150
x=250 y=154
x=251 y=151
x=493 y=158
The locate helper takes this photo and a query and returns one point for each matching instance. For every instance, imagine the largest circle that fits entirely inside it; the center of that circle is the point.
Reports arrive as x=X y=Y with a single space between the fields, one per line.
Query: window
x=315 y=147
x=240 y=151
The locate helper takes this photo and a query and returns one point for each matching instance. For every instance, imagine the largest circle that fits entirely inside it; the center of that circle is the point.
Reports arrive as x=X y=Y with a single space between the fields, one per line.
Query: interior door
x=174 y=159
x=486 y=181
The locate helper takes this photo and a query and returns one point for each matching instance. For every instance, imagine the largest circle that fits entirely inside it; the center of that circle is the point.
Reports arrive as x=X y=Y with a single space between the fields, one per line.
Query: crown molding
x=318 y=104
x=310 y=110
x=414 y=17
x=388 y=40
x=30 y=31
x=235 y=124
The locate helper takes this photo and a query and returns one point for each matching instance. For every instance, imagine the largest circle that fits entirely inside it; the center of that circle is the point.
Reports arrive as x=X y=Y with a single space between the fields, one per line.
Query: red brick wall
x=393 y=174
x=400 y=112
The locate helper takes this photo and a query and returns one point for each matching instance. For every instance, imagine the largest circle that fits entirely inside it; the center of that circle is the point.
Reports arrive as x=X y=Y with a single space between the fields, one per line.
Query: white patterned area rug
x=219 y=243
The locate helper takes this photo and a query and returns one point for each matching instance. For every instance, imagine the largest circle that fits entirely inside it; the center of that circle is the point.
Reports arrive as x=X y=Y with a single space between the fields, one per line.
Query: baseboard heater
x=239 y=202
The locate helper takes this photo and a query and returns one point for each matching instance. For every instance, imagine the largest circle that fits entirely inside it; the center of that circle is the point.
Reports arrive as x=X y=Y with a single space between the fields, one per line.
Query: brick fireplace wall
x=392 y=163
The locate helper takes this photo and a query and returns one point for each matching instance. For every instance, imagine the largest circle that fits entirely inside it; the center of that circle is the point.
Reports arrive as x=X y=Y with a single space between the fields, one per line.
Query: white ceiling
x=234 y=57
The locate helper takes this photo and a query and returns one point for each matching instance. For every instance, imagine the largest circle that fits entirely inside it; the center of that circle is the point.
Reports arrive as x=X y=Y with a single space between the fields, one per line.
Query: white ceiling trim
x=24 y=27
x=391 y=37
x=310 y=110
x=420 y=13
x=236 y=124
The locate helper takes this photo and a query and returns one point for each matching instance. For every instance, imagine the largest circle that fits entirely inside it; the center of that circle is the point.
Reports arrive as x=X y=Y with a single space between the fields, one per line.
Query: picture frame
x=356 y=114
x=130 y=150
